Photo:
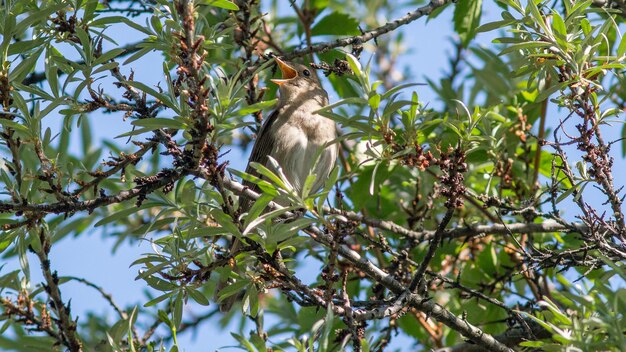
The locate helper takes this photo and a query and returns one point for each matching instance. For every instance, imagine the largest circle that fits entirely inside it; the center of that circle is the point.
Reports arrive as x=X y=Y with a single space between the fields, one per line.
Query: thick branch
x=465 y=231
x=511 y=337
x=427 y=306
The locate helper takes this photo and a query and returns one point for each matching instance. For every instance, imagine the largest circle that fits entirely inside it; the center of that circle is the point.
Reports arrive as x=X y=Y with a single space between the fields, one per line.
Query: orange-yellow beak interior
x=287 y=72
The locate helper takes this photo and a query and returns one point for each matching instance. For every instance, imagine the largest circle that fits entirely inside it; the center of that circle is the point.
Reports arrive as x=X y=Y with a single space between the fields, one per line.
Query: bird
x=294 y=135
x=299 y=139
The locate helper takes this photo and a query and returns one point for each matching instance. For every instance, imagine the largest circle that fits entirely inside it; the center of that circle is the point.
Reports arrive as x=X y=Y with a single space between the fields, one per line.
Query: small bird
x=293 y=134
x=300 y=140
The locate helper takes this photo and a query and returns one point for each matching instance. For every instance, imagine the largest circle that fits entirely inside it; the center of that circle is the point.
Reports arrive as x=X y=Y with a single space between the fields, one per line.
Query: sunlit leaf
x=336 y=23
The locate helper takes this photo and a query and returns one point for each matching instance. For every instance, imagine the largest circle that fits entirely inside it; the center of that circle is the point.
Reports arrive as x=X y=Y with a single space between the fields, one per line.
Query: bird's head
x=297 y=82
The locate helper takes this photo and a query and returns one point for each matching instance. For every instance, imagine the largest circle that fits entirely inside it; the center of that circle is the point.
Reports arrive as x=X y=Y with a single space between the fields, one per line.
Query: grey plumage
x=297 y=138
x=293 y=135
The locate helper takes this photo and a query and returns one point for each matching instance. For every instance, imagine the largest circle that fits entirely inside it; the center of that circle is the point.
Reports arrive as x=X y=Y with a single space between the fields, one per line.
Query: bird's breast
x=302 y=144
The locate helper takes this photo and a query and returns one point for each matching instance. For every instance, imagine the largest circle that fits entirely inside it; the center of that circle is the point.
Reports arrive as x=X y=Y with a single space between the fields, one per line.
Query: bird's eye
x=306 y=72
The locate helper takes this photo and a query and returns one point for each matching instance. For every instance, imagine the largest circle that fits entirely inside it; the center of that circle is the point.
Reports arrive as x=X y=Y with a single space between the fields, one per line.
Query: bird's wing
x=262 y=146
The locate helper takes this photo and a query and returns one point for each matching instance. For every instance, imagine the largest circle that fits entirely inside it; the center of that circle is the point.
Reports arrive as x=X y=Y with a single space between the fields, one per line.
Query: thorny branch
x=22 y=310
x=201 y=163
x=371 y=34
x=66 y=325
x=109 y=298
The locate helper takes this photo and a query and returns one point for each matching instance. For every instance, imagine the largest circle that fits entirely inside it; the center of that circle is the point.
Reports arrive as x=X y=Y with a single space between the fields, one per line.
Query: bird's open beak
x=287 y=72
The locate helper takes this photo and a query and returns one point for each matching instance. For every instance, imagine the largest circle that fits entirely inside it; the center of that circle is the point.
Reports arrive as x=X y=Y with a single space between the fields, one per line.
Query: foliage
x=456 y=223
x=585 y=318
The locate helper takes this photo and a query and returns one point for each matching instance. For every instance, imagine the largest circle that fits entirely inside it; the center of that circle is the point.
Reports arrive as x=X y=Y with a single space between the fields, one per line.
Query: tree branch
x=92 y=204
x=371 y=34
x=37 y=77
x=427 y=306
x=65 y=323
x=434 y=244
x=511 y=338
x=109 y=298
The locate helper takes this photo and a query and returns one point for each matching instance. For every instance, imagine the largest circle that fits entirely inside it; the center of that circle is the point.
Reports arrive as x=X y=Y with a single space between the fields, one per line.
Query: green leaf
x=223 y=4
x=532 y=344
x=123 y=214
x=177 y=311
x=346 y=101
x=621 y=49
x=106 y=67
x=131 y=23
x=251 y=301
x=109 y=55
x=151 y=270
x=374 y=101
x=336 y=24
x=245 y=344
x=164 y=318
x=355 y=65
x=90 y=8
x=39 y=16
x=7 y=32
x=85 y=44
x=585 y=26
x=24 y=46
x=560 y=316
x=156 y=23
x=198 y=296
x=538 y=16
x=467 y=15
x=328 y=185
x=398 y=88
x=160 y=96
x=265 y=186
x=135 y=132
x=160 y=122
x=319 y=4
x=131 y=321
x=524 y=46
x=274 y=213
x=494 y=25
x=157 y=300
x=258 y=207
x=52 y=75
x=233 y=289
x=226 y=222
x=14 y=125
x=256 y=107
x=137 y=55
x=560 y=31
x=288 y=230
x=328 y=327
x=308 y=185
x=25 y=67
x=558 y=24
x=7 y=240
x=568 y=192
x=269 y=174
x=545 y=94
